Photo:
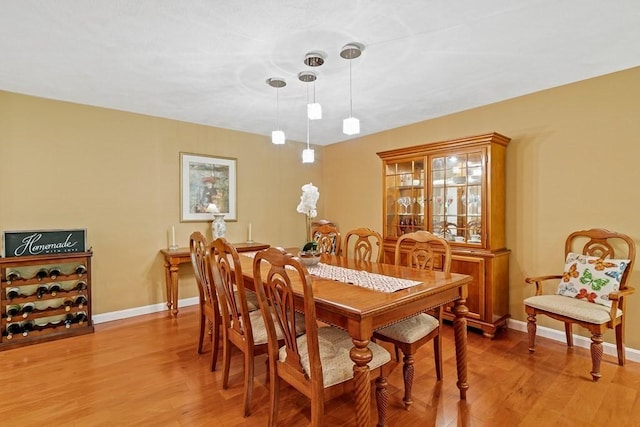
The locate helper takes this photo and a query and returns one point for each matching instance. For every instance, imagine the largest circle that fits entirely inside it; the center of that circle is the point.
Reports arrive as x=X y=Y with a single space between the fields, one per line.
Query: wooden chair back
x=276 y=294
x=427 y=252
x=231 y=290
x=209 y=311
x=328 y=238
x=603 y=244
x=367 y=242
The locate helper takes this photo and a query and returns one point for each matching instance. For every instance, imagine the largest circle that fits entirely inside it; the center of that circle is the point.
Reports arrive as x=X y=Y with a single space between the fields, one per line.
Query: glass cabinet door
x=405 y=197
x=456 y=183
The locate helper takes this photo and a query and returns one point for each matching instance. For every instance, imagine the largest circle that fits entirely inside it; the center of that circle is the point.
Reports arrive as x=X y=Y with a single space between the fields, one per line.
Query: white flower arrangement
x=307 y=206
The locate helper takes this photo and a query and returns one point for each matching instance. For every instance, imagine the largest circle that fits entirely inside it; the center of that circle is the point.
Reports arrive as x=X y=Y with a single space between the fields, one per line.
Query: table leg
x=361 y=356
x=460 y=332
x=174 y=289
x=167 y=282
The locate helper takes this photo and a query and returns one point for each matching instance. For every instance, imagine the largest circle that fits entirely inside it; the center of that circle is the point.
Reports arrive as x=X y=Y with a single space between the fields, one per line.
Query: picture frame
x=204 y=181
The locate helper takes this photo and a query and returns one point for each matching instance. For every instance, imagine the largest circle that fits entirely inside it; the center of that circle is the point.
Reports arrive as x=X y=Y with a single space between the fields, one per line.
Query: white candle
x=173 y=236
x=249 y=232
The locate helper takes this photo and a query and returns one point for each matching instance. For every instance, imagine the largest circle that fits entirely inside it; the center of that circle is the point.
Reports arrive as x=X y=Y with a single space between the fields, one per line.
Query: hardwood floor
x=145 y=371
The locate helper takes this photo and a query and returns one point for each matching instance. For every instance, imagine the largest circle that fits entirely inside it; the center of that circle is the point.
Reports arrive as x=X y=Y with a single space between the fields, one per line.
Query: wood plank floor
x=145 y=371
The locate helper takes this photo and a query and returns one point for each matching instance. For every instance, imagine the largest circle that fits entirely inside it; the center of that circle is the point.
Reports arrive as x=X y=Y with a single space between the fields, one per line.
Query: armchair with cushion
x=591 y=292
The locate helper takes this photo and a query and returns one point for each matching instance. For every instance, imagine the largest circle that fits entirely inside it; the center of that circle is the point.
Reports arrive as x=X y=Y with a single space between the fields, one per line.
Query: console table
x=173 y=258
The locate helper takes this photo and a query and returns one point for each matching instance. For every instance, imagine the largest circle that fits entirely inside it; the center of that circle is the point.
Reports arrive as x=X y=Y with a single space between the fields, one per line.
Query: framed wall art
x=207 y=186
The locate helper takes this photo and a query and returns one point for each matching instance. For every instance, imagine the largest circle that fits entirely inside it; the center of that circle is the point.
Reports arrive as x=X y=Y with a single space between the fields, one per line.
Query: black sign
x=42 y=242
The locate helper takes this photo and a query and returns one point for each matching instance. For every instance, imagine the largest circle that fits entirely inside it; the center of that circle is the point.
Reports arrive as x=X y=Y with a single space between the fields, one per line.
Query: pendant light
x=351 y=125
x=277 y=136
x=308 y=155
x=313 y=59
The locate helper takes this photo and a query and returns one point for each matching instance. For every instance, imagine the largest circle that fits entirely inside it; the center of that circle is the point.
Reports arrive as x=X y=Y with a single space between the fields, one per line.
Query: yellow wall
x=572 y=163
x=117 y=174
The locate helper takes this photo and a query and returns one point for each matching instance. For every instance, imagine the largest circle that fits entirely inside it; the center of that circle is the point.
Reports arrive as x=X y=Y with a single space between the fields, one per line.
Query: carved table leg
x=174 y=289
x=460 y=332
x=596 y=355
x=167 y=282
x=382 y=400
x=361 y=356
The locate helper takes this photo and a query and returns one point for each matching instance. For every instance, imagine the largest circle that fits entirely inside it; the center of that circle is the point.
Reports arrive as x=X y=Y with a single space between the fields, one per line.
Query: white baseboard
x=516 y=325
x=131 y=312
x=578 y=341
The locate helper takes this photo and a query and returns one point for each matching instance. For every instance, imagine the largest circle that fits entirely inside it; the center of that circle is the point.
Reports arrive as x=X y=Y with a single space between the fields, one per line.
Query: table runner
x=373 y=281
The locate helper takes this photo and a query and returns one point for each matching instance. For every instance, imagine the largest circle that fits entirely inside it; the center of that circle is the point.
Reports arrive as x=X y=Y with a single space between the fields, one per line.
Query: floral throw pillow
x=591 y=278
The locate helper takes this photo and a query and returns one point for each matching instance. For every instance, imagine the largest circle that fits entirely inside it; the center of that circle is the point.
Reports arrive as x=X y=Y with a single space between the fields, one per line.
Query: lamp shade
x=308 y=155
x=277 y=137
x=314 y=111
x=351 y=126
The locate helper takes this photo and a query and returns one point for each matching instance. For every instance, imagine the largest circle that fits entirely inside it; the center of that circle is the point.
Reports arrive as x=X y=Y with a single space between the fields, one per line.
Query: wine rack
x=44 y=298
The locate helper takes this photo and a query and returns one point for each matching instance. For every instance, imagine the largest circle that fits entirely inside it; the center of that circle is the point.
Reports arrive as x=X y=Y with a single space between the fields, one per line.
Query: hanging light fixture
x=351 y=125
x=313 y=59
x=308 y=155
x=277 y=136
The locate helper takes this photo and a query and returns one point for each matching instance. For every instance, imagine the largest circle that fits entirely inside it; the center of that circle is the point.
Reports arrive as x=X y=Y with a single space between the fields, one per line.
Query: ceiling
x=207 y=61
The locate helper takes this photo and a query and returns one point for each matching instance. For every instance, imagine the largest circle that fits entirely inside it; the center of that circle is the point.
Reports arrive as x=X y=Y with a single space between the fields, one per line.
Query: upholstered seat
x=429 y=252
x=318 y=363
x=574 y=308
x=241 y=327
x=591 y=292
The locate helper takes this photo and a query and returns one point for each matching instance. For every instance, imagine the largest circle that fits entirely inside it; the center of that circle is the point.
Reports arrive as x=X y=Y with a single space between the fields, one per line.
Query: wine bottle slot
x=12 y=310
x=27 y=327
x=13 y=275
x=68 y=302
x=54 y=289
x=81 y=285
x=41 y=274
x=68 y=320
x=13 y=293
x=81 y=269
x=27 y=308
x=12 y=329
x=81 y=301
x=42 y=289
x=81 y=317
x=54 y=272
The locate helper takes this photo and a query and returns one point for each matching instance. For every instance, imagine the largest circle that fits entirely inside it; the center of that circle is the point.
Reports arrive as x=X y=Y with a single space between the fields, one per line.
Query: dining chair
x=591 y=292
x=207 y=301
x=426 y=252
x=241 y=327
x=317 y=363
x=328 y=238
x=367 y=242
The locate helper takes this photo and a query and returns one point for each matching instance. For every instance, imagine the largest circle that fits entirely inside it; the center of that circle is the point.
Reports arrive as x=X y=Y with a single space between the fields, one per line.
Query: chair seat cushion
x=335 y=345
x=252 y=300
x=260 y=331
x=410 y=330
x=572 y=307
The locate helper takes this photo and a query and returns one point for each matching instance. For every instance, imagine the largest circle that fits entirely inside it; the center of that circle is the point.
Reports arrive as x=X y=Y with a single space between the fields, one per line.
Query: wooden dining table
x=360 y=311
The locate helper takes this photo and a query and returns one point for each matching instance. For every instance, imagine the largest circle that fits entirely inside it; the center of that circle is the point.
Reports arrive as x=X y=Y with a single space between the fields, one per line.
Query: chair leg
x=620 y=344
x=569 y=334
x=382 y=400
x=437 y=354
x=596 y=355
x=531 y=329
x=274 y=386
x=248 y=382
x=407 y=372
x=226 y=361
x=203 y=322
x=397 y=353
x=215 y=343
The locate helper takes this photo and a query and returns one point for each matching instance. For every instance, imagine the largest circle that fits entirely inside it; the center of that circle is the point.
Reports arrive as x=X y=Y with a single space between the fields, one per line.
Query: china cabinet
x=455 y=189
